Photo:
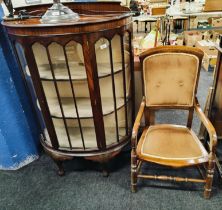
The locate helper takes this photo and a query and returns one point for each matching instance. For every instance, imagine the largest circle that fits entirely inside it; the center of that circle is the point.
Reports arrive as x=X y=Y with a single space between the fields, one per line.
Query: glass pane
x=58 y=61
x=76 y=60
x=26 y=72
x=106 y=89
x=46 y=76
x=127 y=44
x=116 y=53
x=73 y=91
x=121 y=82
x=42 y=61
x=126 y=41
x=127 y=62
x=80 y=92
x=129 y=114
x=122 y=122
x=48 y=84
x=21 y=56
x=88 y=131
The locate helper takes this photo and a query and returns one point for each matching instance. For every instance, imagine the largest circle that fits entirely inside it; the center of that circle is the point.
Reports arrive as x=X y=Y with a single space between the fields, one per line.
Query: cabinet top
x=83 y=20
x=94 y=17
x=85 y=24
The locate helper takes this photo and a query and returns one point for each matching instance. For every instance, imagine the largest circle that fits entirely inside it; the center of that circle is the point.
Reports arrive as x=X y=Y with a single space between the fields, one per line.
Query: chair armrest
x=137 y=124
x=210 y=128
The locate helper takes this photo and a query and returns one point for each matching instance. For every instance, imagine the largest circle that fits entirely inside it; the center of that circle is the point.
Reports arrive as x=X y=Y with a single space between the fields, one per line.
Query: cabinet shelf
x=77 y=71
x=83 y=105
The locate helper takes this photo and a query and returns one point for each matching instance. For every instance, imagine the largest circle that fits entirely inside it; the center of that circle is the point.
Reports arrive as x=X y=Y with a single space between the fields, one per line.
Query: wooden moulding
x=90 y=153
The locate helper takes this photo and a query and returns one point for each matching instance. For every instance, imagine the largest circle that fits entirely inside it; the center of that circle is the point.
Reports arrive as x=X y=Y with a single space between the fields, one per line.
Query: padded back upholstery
x=170 y=76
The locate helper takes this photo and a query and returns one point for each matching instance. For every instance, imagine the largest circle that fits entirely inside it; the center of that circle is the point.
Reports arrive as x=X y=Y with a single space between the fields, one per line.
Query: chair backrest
x=170 y=76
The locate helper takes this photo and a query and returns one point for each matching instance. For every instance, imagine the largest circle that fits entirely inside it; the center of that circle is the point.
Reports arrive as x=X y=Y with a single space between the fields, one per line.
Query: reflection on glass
x=106 y=88
x=113 y=86
x=70 y=87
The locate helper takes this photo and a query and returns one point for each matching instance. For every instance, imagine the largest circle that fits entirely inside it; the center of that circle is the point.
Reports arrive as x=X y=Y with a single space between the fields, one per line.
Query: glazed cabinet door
x=114 y=77
x=83 y=87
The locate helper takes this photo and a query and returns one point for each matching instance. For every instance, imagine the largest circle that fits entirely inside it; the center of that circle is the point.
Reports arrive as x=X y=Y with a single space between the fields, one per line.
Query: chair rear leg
x=209 y=178
x=133 y=171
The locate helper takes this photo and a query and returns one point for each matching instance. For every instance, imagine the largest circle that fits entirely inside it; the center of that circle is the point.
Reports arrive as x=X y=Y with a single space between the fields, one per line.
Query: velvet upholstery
x=170 y=79
x=176 y=145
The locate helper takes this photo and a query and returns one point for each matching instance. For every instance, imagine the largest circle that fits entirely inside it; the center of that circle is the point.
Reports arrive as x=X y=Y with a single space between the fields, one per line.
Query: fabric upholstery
x=171 y=144
x=170 y=79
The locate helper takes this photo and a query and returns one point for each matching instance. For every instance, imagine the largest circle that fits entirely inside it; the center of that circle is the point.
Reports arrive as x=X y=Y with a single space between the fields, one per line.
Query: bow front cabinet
x=82 y=74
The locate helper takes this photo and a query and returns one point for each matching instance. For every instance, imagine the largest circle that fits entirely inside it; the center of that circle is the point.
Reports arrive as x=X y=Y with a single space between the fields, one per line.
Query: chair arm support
x=210 y=128
x=137 y=124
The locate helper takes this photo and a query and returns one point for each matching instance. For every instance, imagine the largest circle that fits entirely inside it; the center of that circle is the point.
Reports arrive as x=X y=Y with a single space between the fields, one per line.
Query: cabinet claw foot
x=105 y=173
x=61 y=171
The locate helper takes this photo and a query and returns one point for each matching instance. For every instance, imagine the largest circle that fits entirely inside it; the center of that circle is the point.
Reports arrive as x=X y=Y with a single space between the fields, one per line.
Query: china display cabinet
x=82 y=73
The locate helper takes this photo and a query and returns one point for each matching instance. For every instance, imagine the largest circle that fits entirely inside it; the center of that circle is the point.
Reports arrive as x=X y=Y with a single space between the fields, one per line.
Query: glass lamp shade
x=59 y=13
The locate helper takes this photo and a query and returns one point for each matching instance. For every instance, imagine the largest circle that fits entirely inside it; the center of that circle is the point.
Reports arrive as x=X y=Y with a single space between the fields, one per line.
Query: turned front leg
x=133 y=171
x=209 y=178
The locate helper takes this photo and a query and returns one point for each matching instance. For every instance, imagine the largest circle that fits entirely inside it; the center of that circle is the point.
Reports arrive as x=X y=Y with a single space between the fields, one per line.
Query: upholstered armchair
x=170 y=79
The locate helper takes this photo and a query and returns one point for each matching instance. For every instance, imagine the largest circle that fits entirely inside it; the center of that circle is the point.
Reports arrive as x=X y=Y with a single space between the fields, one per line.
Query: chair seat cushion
x=171 y=145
